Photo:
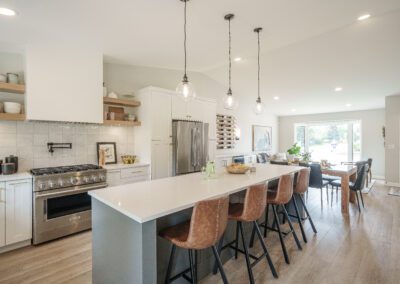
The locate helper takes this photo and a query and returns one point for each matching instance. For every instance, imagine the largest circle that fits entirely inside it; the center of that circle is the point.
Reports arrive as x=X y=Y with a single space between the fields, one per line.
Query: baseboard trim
x=15 y=246
x=378 y=177
x=392 y=184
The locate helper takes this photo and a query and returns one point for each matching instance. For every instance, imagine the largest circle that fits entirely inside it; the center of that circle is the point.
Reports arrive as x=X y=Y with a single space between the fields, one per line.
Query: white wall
x=372 y=140
x=125 y=79
x=392 y=151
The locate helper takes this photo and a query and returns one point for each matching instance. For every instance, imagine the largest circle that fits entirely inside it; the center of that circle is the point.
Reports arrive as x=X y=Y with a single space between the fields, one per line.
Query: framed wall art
x=262 y=138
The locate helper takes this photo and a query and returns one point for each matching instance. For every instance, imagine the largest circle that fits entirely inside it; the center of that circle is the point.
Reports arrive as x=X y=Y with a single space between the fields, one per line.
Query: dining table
x=347 y=173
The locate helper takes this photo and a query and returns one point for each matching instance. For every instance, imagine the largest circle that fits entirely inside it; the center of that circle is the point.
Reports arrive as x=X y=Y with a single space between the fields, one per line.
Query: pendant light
x=259 y=106
x=185 y=88
x=228 y=101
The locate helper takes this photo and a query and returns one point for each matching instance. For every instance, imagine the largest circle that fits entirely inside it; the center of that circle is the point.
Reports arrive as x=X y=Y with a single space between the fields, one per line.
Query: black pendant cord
x=229 y=17
x=230 y=59
x=257 y=30
x=185 y=79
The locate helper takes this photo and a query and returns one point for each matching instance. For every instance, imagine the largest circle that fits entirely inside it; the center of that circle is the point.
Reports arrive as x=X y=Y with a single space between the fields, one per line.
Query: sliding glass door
x=338 y=141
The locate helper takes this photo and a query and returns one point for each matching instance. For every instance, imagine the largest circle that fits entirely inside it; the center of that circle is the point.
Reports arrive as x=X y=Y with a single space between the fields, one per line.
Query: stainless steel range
x=61 y=203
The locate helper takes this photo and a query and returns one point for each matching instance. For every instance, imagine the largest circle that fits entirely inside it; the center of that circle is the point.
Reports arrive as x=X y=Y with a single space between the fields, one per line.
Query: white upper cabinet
x=161 y=116
x=64 y=83
x=179 y=108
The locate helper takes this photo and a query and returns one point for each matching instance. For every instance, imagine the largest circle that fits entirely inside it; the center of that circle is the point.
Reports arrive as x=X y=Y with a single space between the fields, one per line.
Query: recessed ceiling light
x=7 y=12
x=237 y=59
x=364 y=17
x=338 y=89
x=348 y=105
x=276 y=98
x=293 y=109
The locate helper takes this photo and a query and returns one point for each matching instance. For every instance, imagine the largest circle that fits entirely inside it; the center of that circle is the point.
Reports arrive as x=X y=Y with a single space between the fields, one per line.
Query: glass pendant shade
x=259 y=107
x=229 y=102
x=186 y=90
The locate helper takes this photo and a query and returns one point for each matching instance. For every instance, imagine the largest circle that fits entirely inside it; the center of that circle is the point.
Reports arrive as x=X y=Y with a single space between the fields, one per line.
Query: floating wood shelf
x=120 y=102
x=122 y=122
x=12 y=88
x=12 y=116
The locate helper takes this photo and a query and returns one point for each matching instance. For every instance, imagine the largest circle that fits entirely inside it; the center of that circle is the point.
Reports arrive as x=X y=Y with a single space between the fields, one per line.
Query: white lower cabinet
x=18 y=211
x=126 y=174
x=15 y=211
x=2 y=214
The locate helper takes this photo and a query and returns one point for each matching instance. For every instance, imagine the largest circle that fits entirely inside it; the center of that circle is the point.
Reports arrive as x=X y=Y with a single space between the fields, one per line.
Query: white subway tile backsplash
x=8 y=127
x=40 y=139
x=28 y=141
x=41 y=127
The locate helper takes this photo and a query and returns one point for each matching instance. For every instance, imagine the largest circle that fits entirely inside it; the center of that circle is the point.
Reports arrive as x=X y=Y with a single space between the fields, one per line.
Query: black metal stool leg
x=253 y=232
x=170 y=264
x=220 y=244
x=192 y=269
x=271 y=265
x=308 y=214
x=299 y=218
x=362 y=199
x=220 y=267
x=249 y=269
x=358 y=203
x=237 y=240
x=285 y=254
x=266 y=222
x=291 y=228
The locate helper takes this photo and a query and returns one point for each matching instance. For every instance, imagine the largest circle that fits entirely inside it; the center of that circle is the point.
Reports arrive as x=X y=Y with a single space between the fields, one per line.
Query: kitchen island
x=127 y=218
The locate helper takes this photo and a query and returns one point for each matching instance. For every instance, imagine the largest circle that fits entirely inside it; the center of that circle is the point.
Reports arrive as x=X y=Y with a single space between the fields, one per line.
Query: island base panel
x=124 y=251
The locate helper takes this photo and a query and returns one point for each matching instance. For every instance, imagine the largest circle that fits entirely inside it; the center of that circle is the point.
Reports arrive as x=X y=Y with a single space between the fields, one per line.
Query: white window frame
x=350 y=123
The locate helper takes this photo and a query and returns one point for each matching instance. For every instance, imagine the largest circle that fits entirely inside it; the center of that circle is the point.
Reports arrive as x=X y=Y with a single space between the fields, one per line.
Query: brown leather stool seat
x=277 y=199
x=205 y=228
x=249 y=211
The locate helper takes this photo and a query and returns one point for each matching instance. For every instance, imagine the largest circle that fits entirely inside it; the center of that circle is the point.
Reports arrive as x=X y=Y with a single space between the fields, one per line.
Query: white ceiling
x=309 y=46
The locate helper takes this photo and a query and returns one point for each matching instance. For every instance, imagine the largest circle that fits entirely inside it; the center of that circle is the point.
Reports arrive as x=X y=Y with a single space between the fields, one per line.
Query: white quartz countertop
x=17 y=176
x=149 y=200
x=125 y=166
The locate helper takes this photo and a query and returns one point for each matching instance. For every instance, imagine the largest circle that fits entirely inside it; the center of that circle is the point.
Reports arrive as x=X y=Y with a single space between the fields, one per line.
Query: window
x=336 y=141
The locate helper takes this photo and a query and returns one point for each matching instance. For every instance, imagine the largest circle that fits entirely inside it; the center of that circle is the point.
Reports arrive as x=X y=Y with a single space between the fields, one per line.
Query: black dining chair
x=316 y=180
x=359 y=184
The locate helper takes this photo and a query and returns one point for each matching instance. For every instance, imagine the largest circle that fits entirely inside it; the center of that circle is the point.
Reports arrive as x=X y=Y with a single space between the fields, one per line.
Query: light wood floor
x=362 y=248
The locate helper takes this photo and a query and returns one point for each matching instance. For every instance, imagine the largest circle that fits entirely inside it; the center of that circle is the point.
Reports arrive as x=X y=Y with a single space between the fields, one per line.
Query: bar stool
x=277 y=199
x=301 y=187
x=249 y=211
x=203 y=230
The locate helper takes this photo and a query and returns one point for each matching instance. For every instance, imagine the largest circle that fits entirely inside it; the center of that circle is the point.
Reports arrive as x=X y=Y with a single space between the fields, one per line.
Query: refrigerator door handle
x=192 y=157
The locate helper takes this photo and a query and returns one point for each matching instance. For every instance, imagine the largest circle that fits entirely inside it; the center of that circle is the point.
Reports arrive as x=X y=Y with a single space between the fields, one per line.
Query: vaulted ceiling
x=309 y=47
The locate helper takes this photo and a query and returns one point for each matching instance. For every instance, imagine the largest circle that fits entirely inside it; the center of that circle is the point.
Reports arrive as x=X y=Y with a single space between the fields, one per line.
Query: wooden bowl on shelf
x=237 y=168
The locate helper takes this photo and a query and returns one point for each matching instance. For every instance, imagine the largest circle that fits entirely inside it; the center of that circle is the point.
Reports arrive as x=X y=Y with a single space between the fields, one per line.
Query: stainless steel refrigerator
x=190 y=146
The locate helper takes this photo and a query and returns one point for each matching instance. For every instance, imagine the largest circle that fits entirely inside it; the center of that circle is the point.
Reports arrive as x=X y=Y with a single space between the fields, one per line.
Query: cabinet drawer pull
x=135 y=172
x=15 y=183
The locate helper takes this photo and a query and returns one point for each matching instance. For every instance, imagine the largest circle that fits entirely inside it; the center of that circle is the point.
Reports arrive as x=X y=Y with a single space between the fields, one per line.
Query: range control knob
x=86 y=179
x=102 y=177
x=60 y=182
x=41 y=186
x=74 y=180
x=51 y=183
x=94 y=178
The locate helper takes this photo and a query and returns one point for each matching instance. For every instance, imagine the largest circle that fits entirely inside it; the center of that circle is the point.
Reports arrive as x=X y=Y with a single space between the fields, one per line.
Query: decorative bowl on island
x=235 y=168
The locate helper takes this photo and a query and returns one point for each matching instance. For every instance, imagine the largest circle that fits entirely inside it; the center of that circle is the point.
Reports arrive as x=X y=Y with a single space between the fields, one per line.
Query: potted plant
x=306 y=157
x=293 y=152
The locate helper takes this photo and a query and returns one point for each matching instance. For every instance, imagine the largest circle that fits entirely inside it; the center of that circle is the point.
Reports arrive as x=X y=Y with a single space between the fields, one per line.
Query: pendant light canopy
x=259 y=106
x=228 y=101
x=185 y=88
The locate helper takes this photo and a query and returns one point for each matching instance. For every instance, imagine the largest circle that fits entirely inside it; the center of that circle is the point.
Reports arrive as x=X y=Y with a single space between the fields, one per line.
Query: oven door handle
x=69 y=192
